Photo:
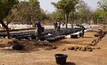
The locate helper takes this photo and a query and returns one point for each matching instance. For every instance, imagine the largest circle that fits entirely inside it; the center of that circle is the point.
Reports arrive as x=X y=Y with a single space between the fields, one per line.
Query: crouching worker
x=40 y=29
x=82 y=29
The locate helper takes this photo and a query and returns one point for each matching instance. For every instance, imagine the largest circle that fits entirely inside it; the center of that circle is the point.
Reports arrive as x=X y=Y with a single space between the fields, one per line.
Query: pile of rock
x=80 y=48
x=100 y=34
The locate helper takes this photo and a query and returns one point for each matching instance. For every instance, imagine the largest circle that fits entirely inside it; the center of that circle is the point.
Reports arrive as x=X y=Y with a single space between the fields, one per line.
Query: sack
x=42 y=29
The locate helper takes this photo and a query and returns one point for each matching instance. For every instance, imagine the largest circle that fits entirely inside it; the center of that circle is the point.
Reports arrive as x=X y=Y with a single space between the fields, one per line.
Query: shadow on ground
x=87 y=37
x=70 y=63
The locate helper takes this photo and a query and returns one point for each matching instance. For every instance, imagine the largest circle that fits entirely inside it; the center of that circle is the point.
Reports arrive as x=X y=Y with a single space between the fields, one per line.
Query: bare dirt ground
x=41 y=56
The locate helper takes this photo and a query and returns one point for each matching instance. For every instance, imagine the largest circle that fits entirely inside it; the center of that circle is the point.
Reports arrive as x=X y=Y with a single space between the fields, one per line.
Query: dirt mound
x=32 y=44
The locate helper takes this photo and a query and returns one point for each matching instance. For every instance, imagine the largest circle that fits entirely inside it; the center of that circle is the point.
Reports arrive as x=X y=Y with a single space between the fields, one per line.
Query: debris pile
x=81 y=48
x=100 y=34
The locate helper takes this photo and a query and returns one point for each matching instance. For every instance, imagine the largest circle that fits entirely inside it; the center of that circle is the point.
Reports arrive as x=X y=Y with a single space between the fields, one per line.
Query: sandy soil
x=41 y=56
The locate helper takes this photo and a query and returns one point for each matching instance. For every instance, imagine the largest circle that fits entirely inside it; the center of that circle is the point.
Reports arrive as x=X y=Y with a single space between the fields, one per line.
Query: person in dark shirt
x=82 y=29
x=39 y=28
x=38 y=24
x=55 y=25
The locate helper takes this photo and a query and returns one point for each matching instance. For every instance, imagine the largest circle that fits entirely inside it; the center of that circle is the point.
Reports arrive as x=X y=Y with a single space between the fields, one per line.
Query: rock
x=93 y=48
x=72 y=48
x=90 y=50
x=64 y=49
x=76 y=48
x=79 y=48
x=98 y=48
x=83 y=49
x=92 y=44
x=96 y=35
x=87 y=47
x=54 y=47
x=69 y=48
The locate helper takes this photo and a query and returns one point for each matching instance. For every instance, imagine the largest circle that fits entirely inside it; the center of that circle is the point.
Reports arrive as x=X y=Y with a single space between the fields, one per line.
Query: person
x=58 y=25
x=55 y=25
x=82 y=29
x=40 y=29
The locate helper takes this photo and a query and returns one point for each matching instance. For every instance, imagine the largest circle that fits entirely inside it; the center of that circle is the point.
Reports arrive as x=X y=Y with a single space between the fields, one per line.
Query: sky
x=47 y=6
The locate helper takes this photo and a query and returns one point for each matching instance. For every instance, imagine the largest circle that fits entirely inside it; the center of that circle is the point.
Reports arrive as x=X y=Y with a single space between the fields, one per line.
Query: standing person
x=55 y=25
x=58 y=25
x=39 y=28
x=82 y=28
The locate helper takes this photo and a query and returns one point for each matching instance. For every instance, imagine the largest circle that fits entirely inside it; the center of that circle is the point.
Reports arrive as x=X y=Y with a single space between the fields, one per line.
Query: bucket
x=61 y=58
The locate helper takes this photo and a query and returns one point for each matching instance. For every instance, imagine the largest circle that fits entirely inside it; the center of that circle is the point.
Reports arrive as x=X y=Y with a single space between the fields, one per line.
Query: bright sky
x=47 y=6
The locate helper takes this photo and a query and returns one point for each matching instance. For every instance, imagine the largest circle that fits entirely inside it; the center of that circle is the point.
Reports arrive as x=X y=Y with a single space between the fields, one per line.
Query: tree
x=10 y=17
x=35 y=11
x=103 y=8
x=67 y=6
x=44 y=16
x=59 y=14
x=6 y=6
x=73 y=17
x=28 y=11
x=84 y=11
x=101 y=16
x=103 y=4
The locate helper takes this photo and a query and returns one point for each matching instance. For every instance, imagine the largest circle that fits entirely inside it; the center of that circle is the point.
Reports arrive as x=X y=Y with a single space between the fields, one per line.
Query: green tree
x=101 y=16
x=103 y=4
x=44 y=16
x=6 y=6
x=103 y=10
x=84 y=11
x=67 y=6
x=59 y=14
x=28 y=12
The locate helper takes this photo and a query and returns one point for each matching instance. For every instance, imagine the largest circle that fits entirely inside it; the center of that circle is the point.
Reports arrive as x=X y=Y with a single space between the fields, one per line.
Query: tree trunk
x=30 y=20
x=72 y=23
x=66 y=19
x=6 y=27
